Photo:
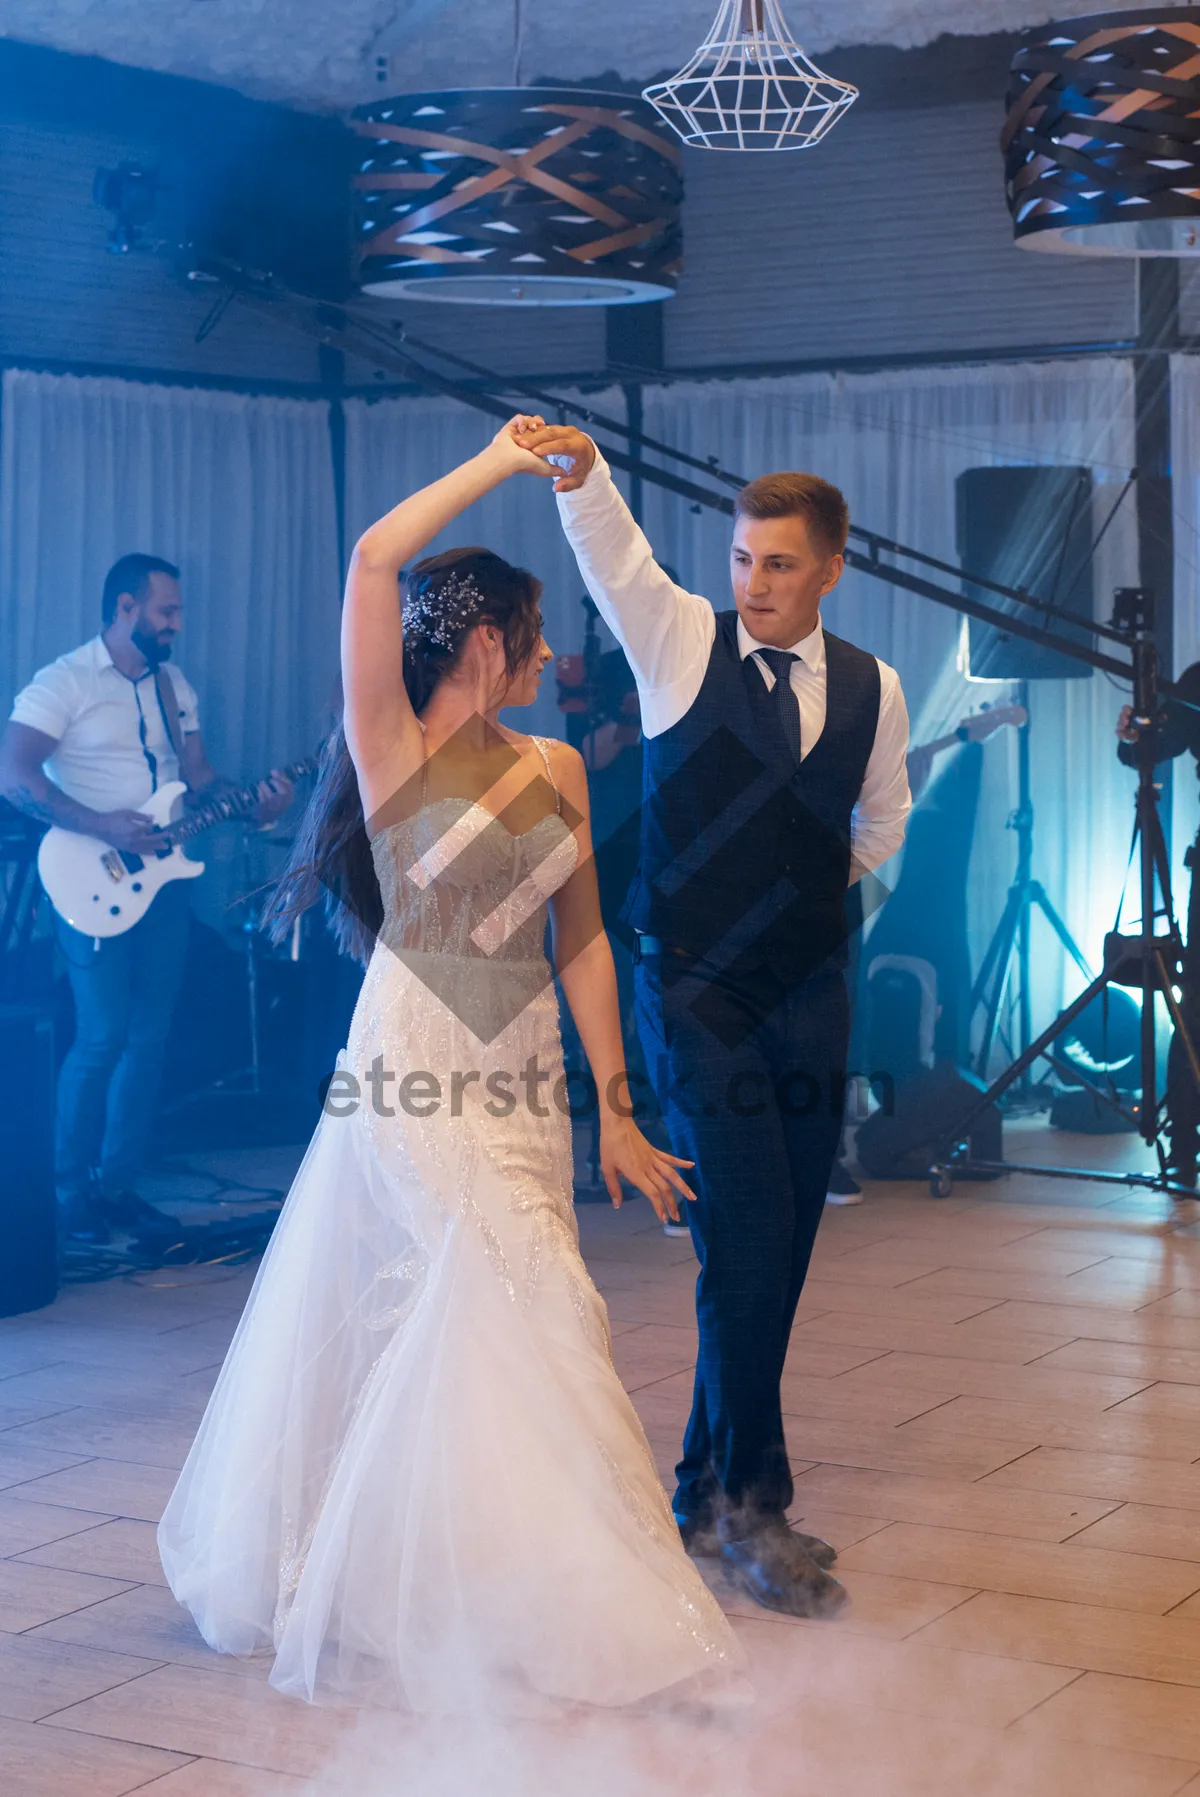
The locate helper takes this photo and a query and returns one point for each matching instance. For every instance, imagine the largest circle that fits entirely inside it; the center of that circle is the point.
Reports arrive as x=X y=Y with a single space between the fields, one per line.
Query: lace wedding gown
x=419 y=1479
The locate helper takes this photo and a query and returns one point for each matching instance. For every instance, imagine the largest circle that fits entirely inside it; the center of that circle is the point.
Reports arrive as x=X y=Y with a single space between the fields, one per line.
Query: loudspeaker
x=902 y=1143
x=1029 y=528
x=28 y=1237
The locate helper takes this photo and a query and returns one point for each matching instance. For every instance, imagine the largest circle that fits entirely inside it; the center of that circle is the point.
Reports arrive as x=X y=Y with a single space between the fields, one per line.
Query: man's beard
x=150 y=647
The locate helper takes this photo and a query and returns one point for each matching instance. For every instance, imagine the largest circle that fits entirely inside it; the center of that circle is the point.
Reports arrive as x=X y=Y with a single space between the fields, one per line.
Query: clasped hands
x=526 y=442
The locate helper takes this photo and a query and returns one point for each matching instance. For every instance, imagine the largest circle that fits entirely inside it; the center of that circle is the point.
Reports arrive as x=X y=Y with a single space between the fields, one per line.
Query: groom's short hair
x=792 y=495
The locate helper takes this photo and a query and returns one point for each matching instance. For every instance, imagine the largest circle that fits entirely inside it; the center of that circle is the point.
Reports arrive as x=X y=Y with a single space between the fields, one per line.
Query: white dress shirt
x=667 y=634
x=95 y=715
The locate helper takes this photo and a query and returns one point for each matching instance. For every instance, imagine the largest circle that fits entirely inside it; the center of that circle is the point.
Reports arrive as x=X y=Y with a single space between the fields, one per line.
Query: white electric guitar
x=103 y=891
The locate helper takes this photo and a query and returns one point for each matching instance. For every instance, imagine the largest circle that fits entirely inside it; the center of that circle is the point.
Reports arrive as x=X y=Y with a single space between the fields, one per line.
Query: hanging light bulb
x=751 y=87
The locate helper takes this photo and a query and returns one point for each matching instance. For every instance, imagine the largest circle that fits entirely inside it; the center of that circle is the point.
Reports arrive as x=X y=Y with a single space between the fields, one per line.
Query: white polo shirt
x=96 y=716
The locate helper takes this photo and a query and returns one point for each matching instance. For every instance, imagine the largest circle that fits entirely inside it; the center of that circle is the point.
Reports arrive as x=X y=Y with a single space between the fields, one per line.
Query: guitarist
x=89 y=739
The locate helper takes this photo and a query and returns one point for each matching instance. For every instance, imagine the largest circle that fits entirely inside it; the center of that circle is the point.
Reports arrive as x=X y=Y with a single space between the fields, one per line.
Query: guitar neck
x=939 y=743
x=237 y=803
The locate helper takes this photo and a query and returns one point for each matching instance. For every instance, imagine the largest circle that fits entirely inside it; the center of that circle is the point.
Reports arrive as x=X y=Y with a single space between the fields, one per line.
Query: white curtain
x=238 y=491
x=895 y=442
x=395 y=446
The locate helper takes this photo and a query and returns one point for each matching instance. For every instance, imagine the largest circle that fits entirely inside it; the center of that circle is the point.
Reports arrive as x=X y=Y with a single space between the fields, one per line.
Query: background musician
x=90 y=738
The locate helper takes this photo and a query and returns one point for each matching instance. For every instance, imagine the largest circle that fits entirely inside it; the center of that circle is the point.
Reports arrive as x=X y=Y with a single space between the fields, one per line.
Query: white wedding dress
x=419 y=1480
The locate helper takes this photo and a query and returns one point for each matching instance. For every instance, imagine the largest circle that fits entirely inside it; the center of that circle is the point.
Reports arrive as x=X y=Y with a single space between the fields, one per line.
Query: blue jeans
x=750 y=1076
x=125 y=990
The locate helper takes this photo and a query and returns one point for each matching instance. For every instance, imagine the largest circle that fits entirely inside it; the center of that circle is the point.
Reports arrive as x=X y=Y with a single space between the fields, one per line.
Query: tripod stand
x=1149 y=962
x=1011 y=936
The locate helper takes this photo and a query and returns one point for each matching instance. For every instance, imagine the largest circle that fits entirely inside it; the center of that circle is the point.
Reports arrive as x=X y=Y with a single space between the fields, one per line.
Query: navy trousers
x=750 y=1077
x=124 y=990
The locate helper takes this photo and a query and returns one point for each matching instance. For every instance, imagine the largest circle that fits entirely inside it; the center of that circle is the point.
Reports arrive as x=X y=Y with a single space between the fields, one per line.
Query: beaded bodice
x=457 y=881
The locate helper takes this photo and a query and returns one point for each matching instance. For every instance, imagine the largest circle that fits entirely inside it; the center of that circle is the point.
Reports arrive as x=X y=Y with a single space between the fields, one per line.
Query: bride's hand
x=512 y=456
x=625 y=1153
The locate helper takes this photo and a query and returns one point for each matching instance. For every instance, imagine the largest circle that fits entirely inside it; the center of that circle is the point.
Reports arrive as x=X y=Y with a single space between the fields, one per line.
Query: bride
x=419 y=1480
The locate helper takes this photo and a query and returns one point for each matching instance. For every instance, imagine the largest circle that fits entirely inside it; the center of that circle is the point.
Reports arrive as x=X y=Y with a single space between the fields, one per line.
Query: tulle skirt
x=419 y=1481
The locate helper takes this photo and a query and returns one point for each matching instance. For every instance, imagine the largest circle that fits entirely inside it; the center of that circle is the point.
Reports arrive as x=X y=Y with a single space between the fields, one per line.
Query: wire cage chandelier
x=751 y=87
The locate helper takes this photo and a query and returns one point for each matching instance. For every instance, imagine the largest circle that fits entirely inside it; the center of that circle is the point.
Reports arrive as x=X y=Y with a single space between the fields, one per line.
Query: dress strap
x=540 y=742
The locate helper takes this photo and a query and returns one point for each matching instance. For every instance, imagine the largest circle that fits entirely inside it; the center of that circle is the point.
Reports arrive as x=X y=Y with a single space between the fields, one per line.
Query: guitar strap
x=168 y=704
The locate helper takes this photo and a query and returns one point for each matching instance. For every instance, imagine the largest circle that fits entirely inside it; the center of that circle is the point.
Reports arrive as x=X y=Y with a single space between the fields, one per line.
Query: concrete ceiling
x=322 y=56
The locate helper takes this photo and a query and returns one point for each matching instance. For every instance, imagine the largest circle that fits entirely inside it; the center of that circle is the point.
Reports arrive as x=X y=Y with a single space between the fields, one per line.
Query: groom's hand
x=555 y=441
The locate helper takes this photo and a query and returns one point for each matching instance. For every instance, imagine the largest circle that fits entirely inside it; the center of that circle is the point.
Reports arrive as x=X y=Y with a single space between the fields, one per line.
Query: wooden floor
x=994 y=1407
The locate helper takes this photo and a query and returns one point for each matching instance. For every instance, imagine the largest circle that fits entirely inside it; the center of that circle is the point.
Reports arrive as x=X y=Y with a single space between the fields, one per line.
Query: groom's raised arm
x=666 y=632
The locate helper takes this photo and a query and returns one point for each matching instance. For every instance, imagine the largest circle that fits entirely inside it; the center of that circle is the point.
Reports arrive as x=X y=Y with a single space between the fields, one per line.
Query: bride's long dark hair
x=331 y=857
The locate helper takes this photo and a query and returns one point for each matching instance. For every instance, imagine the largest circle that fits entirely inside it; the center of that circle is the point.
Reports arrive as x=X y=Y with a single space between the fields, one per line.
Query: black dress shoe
x=772 y=1568
x=701 y=1540
x=813 y=1547
x=699 y=1537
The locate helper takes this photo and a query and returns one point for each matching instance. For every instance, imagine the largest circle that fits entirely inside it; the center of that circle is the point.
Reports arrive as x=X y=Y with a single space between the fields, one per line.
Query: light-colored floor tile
x=934 y=1453
x=936 y=1342
x=184 y=1710
x=30 y=1595
x=117 y=1487
x=655 y=1351
x=838 y=1527
x=1070 y=1572
x=217 y=1778
x=829 y=1293
x=813 y=1749
x=39 y=1677
x=25 y=1524
x=79 y=1383
x=831 y=1664
x=1003 y=1343
x=853 y=1270
x=1132 y=1713
x=1093 y=1321
x=122 y=1549
x=1119 y=1477
x=1146 y=1529
x=985 y=1508
x=1119 y=1431
x=883 y=1405
x=19 y=1462
x=1180 y=1403
x=147 y=1621
x=40 y=1760
x=112 y=1435
x=1082 y=1635
x=1044 y=1381
x=1019 y=1255
x=811 y=1359
x=1119 y=1289
x=17 y=1412
x=890 y=1607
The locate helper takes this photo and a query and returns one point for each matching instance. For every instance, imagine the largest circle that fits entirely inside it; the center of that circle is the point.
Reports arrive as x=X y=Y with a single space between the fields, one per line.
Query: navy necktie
x=787 y=706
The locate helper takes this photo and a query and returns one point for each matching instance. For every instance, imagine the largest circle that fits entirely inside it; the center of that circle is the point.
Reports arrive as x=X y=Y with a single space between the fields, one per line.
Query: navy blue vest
x=745 y=858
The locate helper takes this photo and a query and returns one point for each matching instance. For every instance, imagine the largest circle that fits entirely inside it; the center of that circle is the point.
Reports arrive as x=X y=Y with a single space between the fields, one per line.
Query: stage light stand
x=1150 y=961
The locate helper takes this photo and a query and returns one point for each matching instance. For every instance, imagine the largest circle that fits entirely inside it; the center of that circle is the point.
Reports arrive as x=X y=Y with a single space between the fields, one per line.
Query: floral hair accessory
x=438 y=614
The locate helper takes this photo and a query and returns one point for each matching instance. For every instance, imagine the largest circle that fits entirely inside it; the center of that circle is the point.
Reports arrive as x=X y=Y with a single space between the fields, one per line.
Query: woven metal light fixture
x=751 y=87
x=525 y=196
x=1102 y=140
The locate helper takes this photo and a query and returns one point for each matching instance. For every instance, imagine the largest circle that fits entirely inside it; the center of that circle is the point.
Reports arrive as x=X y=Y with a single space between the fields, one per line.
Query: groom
x=774 y=777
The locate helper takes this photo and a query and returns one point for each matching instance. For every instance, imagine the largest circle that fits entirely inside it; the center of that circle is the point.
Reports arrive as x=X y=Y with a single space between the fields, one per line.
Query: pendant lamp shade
x=751 y=87
x=1102 y=139
x=517 y=197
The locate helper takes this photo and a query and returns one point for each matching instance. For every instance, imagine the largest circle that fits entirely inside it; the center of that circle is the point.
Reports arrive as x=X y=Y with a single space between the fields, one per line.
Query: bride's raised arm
x=381 y=727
